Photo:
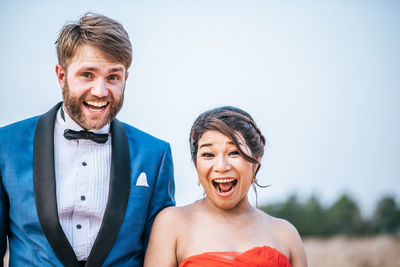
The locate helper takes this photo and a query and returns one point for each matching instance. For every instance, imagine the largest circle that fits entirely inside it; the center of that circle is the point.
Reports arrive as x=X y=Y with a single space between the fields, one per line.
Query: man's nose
x=222 y=164
x=100 y=88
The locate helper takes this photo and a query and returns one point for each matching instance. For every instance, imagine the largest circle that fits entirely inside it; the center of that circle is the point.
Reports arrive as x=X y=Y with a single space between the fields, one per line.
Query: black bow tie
x=73 y=135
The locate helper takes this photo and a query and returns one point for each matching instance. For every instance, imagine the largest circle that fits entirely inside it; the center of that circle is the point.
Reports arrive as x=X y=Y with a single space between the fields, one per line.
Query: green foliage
x=342 y=217
x=387 y=216
x=315 y=218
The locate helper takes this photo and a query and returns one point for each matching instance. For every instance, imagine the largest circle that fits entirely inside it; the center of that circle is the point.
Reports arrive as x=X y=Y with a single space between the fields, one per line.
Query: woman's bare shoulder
x=169 y=212
x=281 y=226
x=168 y=225
x=165 y=233
x=290 y=238
x=176 y=215
x=169 y=215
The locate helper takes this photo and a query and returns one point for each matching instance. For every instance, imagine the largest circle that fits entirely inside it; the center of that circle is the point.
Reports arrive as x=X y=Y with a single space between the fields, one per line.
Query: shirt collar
x=69 y=123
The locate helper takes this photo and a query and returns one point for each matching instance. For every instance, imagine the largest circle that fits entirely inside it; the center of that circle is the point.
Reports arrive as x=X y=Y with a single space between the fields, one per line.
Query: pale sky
x=321 y=79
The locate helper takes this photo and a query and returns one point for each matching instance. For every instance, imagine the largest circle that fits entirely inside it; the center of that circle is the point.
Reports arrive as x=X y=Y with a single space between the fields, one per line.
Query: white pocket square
x=142 y=180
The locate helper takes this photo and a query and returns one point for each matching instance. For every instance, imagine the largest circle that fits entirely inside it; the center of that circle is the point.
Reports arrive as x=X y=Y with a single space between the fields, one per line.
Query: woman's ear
x=255 y=168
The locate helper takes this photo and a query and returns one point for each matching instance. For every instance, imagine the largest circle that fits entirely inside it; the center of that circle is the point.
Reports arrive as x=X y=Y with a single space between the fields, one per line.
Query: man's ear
x=61 y=75
x=126 y=75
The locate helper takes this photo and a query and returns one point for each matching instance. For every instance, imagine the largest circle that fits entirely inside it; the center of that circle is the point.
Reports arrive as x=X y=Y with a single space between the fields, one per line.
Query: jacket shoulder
x=18 y=128
x=134 y=134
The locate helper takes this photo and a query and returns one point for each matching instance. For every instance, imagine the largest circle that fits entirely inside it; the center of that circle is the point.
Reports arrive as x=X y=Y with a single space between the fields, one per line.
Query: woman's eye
x=207 y=155
x=234 y=153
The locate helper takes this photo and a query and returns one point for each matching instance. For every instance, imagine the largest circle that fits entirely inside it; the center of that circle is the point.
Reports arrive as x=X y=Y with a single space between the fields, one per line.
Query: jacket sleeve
x=4 y=207
x=164 y=191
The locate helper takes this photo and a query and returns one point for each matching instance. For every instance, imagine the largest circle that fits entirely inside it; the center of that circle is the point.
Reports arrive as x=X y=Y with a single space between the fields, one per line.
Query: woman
x=223 y=229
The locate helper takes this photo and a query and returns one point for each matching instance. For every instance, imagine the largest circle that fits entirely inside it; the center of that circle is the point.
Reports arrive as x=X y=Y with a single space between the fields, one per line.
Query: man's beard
x=73 y=105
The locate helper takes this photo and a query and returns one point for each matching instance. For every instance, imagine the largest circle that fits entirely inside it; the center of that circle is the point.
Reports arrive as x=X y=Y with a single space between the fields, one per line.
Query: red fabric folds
x=255 y=257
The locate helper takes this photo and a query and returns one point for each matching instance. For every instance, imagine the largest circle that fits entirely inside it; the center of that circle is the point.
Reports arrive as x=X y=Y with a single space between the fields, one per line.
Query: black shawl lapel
x=44 y=186
x=117 y=198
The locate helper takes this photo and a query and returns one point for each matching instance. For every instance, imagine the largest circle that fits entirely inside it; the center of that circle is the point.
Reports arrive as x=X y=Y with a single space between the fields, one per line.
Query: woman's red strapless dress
x=255 y=257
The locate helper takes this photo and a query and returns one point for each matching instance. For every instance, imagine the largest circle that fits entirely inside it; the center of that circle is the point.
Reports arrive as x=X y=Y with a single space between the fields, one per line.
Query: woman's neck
x=243 y=208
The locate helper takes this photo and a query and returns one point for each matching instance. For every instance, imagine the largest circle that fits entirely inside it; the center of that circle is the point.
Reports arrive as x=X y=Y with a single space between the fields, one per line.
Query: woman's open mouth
x=224 y=186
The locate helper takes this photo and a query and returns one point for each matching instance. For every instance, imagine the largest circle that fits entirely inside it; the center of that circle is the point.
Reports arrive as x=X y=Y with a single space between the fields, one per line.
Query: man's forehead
x=91 y=57
x=95 y=68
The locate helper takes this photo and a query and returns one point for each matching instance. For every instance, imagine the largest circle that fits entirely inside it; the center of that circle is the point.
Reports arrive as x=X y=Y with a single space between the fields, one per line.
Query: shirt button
x=84 y=163
x=78 y=226
x=83 y=198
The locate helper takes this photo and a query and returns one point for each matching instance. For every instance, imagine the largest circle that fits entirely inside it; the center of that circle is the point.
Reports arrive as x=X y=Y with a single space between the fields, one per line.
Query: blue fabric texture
x=18 y=212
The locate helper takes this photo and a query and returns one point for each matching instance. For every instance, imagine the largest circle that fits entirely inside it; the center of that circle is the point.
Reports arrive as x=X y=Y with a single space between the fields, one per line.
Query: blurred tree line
x=342 y=217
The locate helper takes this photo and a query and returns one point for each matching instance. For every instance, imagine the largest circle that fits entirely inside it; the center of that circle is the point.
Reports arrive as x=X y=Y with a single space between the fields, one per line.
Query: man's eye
x=113 y=77
x=87 y=75
x=207 y=155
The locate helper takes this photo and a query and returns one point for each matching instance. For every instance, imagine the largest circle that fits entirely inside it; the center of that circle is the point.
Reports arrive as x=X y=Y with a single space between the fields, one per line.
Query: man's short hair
x=97 y=30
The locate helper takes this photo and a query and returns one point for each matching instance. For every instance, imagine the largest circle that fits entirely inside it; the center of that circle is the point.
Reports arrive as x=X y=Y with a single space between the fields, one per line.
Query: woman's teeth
x=224 y=185
x=225 y=180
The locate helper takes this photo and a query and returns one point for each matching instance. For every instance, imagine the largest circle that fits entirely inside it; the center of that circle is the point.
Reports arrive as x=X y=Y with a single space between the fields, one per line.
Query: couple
x=80 y=188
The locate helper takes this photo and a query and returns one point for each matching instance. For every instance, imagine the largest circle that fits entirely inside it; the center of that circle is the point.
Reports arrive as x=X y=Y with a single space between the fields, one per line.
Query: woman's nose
x=222 y=164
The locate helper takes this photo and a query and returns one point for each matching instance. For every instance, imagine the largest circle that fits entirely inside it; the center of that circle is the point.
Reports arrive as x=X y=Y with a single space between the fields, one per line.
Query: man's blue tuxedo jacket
x=28 y=208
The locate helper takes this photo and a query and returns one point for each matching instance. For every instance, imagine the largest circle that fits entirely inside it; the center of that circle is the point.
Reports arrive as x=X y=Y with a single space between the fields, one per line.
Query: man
x=77 y=186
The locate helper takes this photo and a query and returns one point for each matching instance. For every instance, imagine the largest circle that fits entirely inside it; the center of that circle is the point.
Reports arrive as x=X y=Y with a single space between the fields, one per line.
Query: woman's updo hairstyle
x=229 y=121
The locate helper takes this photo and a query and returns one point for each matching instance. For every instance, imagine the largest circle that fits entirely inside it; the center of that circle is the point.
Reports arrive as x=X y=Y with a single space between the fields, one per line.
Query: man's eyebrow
x=117 y=69
x=90 y=68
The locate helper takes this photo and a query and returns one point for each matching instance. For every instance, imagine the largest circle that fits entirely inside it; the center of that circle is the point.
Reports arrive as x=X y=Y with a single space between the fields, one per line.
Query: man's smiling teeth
x=96 y=104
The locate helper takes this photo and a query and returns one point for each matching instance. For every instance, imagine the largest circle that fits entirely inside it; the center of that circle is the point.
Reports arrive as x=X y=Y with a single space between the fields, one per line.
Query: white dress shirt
x=82 y=180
